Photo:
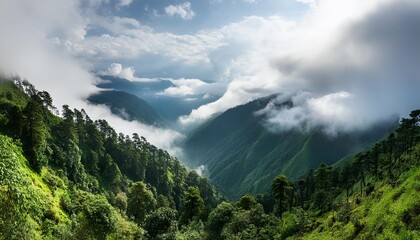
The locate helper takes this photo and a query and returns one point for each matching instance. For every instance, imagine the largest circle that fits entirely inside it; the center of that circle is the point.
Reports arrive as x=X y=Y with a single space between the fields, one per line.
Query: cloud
x=117 y=70
x=124 y=3
x=163 y=138
x=247 y=74
x=182 y=10
x=366 y=74
x=365 y=49
x=192 y=88
x=35 y=53
x=354 y=60
x=311 y=3
x=127 y=39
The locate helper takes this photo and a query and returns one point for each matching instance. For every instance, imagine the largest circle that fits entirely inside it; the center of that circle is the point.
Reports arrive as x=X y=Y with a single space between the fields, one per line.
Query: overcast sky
x=345 y=64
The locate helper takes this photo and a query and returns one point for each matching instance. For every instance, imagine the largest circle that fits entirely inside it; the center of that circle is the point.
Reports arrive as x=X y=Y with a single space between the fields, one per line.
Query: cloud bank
x=346 y=66
x=367 y=74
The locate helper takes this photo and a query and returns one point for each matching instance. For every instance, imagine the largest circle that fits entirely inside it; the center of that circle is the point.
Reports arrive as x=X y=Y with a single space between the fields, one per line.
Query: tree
x=322 y=176
x=279 y=188
x=35 y=134
x=98 y=218
x=161 y=222
x=247 y=202
x=121 y=202
x=359 y=165
x=193 y=205
x=218 y=218
x=140 y=201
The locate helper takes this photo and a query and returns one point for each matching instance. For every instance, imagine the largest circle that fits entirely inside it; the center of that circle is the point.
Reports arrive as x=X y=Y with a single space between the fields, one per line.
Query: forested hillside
x=71 y=177
x=242 y=156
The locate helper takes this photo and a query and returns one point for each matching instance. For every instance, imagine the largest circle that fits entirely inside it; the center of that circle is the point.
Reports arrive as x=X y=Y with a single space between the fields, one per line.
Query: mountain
x=71 y=177
x=169 y=107
x=242 y=156
x=129 y=107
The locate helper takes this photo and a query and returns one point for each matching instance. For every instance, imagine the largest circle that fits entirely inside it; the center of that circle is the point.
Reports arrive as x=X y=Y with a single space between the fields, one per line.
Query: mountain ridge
x=242 y=156
x=128 y=106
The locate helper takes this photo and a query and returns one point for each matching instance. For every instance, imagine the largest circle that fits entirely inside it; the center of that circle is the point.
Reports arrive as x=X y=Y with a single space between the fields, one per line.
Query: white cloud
x=124 y=3
x=355 y=58
x=31 y=54
x=164 y=138
x=338 y=47
x=128 y=39
x=117 y=70
x=192 y=88
x=248 y=75
x=311 y=3
x=182 y=10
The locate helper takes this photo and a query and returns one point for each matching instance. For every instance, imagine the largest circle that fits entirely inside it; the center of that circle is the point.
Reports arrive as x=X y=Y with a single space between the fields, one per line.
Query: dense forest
x=70 y=177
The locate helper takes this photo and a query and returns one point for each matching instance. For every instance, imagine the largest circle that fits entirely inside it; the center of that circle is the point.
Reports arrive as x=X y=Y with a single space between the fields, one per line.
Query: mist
x=368 y=74
x=31 y=30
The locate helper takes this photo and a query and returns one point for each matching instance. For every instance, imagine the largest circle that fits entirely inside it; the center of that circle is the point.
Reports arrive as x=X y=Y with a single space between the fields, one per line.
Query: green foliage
x=121 y=202
x=96 y=218
x=161 y=224
x=279 y=188
x=75 y=178
x=61 y=184
x=193 y=205
x=140 y=201
x=193 y=231
x=247 y=202
x=220 y=216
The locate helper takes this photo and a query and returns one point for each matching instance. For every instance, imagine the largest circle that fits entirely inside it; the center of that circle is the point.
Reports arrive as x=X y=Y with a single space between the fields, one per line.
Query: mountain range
x=241 y=155
x=237 y=152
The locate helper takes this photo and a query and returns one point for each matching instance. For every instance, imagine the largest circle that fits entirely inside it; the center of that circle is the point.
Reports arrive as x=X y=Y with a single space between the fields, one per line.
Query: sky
x=345 y=64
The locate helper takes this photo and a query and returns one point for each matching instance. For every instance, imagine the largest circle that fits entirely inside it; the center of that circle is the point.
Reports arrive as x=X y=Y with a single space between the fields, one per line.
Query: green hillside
x=71 y=177
x=129 y=107
x=242 y=156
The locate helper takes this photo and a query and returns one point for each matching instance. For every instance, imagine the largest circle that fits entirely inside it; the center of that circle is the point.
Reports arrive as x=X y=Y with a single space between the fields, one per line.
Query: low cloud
x=33 y=53
x=346 y=65
x=192 y=88
x=182 y=10
x=201 y=170
x=163 y=138
x=117 y=70
x=366 y=75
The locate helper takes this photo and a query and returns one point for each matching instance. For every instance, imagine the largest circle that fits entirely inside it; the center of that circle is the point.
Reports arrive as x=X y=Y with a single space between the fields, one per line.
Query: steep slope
x=74 y=178
x=128 y=106
x=242 y=156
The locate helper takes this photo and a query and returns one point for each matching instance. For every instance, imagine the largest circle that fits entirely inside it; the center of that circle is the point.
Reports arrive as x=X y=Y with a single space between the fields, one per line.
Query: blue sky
x=207 y=14
x=345 y=64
